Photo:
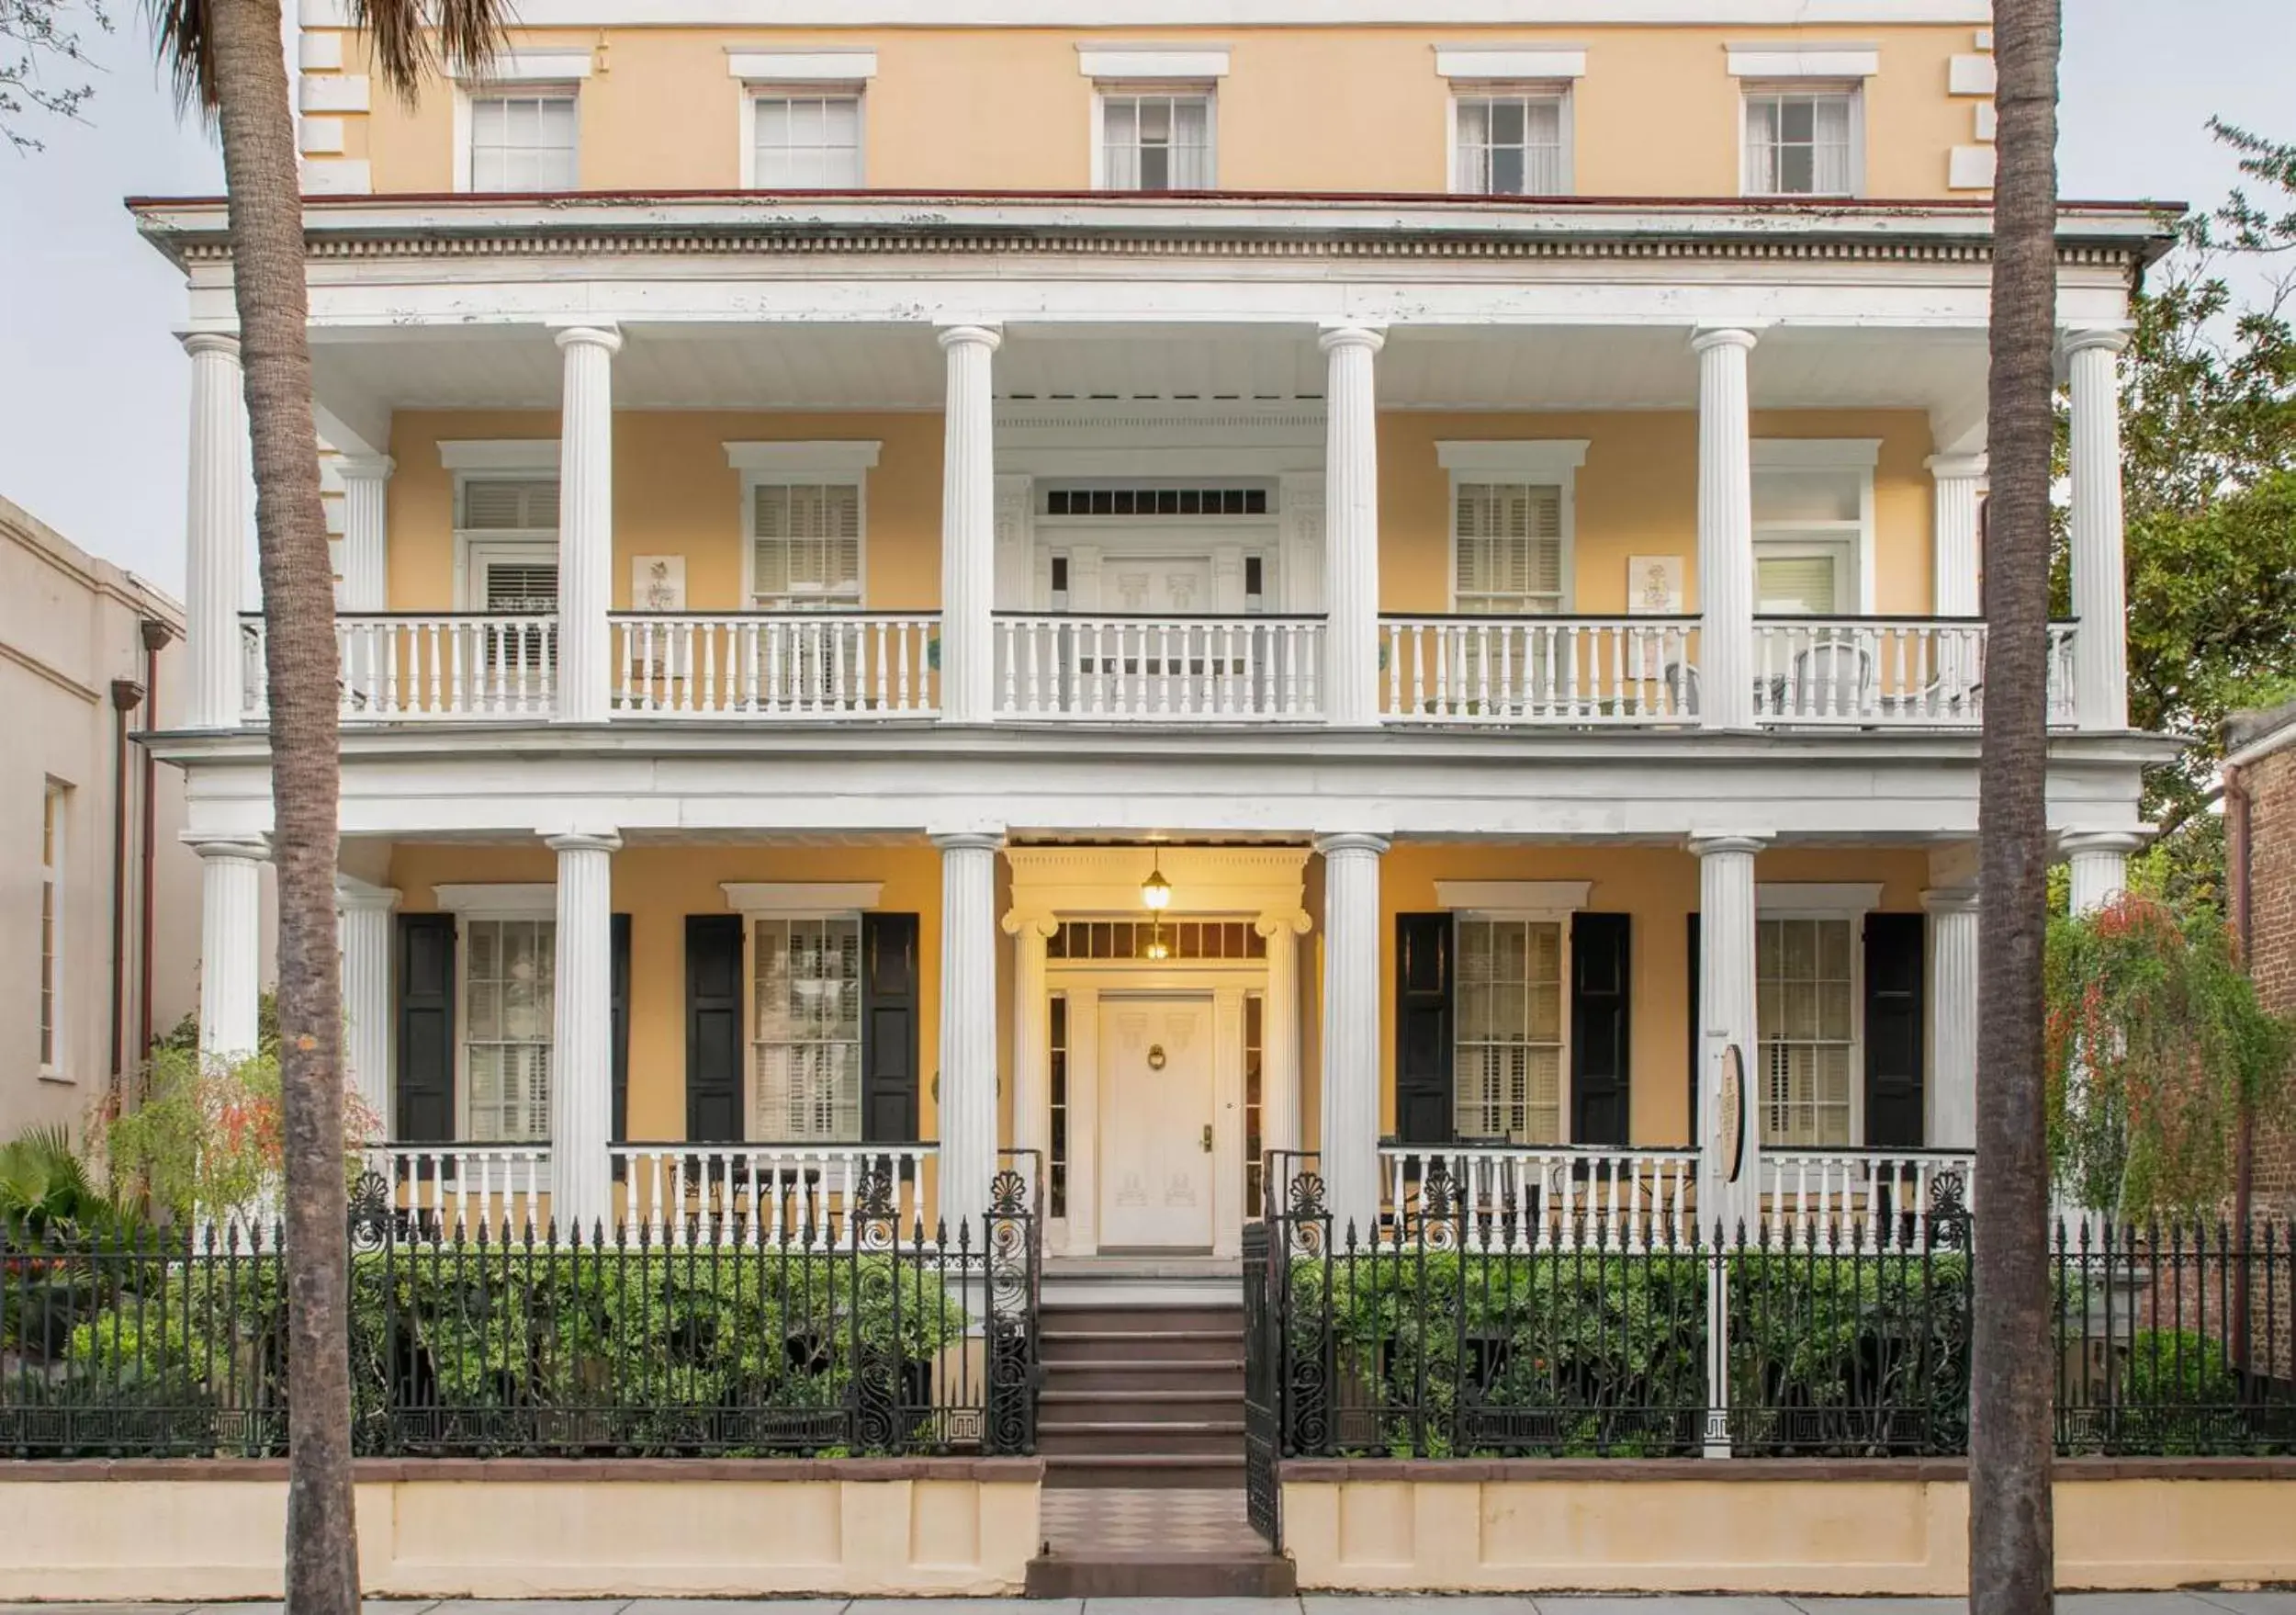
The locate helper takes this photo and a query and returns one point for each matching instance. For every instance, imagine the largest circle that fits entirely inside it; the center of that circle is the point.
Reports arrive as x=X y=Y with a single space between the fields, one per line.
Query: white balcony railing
x=1543 y=1197
x=449 y=1189
x=1159 y=670
x=1534 y=670
x=1887 y=672
x=776 y=665
x=1857 y=1199
x=420 y=667
x=770 y=1193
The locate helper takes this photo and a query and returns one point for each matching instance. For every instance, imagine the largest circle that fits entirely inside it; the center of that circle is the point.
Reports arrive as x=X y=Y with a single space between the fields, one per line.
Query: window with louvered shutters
x=525 y=588
x=1509 y=544
x=1508 y=1060
x=509 y=989
x=806 y=1029
x=1801 y=585
x=1805 y=1024
x=805 y=544
x=517 y=505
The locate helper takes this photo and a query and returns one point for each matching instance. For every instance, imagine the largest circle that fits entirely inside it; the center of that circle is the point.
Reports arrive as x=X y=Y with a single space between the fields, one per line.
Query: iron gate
x=1262 y=1379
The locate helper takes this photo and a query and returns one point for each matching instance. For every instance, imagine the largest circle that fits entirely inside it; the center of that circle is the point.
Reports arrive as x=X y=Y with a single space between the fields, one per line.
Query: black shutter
x=618 y=995
x=1423 y=1029
x=714 y=1027
x=889 y=1028
x=426 y=1030
x=1694 y=1017
x=1601 y=969
x=1895 y=1011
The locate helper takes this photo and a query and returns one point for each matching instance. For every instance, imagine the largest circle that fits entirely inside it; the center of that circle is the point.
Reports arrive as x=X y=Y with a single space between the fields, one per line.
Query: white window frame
x=774 y=88
x=1849 y=901
x=495 y=460
x=1855 y=545
x=1189 y=87
x=757 y=901
x=514 y=73
x=1533 y=462
x=1559 y=90
x=842 y=463
x=519 y=902
x=1537 y=902
x=1756 y=87
x=50 y=1021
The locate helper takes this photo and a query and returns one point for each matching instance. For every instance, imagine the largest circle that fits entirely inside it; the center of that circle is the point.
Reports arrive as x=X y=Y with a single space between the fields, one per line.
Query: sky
x=93 y=384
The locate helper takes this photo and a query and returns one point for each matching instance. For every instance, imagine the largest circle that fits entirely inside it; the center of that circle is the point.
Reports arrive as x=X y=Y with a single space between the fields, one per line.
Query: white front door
x=1156 y=1122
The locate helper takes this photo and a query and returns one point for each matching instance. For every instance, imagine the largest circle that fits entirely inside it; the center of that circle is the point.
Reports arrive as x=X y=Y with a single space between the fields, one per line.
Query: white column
x=1031 y=1028
x=1725 y=1020
x=1351 y=528
x=1279 y=1033
x=581 y=1057
x=2100 y=866
x=366 y=488
x=1351 y=1028
x=1960 y=482
x=230 y=944
x=215 y=531
x=363 y=917
x=1953 y=1087
x=968 y=526
x=586 y=523
x=2101 y=656
x=1726 y=531
x=968 y=1025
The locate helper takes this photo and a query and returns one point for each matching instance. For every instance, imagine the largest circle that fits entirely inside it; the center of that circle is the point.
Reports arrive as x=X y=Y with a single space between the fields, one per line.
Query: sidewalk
x=2194 y=1603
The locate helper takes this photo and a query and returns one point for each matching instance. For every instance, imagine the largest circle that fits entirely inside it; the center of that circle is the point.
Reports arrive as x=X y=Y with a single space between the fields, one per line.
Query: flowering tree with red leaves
x=2156 y=1045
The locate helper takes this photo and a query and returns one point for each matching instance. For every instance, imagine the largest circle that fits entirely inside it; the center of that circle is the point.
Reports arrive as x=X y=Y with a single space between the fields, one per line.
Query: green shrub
x=2178 y=1396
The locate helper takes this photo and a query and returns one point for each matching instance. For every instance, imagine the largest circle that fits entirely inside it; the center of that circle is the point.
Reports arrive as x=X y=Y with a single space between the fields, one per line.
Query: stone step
x=1162 y=1575
x=1195 y=1318
x=1111 y=1375
x=1157 y=1406
x=1178 y=1470
x=1129 y=1439
x=1062 y=1344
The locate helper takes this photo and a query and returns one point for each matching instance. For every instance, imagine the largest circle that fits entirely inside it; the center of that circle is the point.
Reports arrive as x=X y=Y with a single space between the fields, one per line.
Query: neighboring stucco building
x=73 y=632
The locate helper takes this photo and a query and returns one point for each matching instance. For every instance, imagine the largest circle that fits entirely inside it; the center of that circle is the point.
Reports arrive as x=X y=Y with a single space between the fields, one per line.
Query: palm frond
x=411 y=37
x=183 y=33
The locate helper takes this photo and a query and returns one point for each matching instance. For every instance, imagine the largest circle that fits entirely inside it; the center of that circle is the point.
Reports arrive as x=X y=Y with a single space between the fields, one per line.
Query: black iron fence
x=890 y=1340
x=1450 y=1334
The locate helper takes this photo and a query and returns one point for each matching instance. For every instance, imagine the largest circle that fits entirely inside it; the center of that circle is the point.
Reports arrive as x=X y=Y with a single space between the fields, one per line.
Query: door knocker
x=1155 y=1056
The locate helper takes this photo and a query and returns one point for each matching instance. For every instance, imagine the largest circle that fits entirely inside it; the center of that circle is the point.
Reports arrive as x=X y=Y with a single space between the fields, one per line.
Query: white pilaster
x=1351 y=1028
x=1016 y=548
x=968 y=1024
x=1031 y=1028
x=582 y=1058
x=365 y=489
x=586 y=523
x=1960 y=484
x=2101 y=656
x=1726 y=1021
x=363 y=917
x=1953 y=1030
x=1726 y=531
x=1279 y=1033
x=1351 y=526
x=215 y=531
x=968 y=522
x=2100 y=866
x=231 y=944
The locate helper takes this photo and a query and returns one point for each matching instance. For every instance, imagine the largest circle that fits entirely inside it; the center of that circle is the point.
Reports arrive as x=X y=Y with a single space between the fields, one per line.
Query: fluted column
x=2099 y=861
x=1351 y=528
x=231 y=945
x=1351 y=1027
x=1279 y=1033
x=1726 y=1021
x=586 y=523
x=2101 y=656
x=1953 y=1030
x=363 y=918
x=968 y=526
x=581 y=1057
x=1726 y=531
x=366 y=489
x=1031 y=1028
x=215 y=531
x=1959 y=481
x=968 y=1024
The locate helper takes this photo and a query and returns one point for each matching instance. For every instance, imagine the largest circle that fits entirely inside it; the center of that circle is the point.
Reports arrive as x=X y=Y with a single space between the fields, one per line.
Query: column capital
x=1946 y=468
x=1276 y=922
x=1950 y=900
x=210 y=341
x=991 y=337
x=366 y=468
x=1351 y=840
x=608 y=337
x=2074 y=844
x=355 y=895
x=969 y=840
x=1373 y=338
x=1705 y=339
x=1703 y=846
x=253 y=849
x=1030 y=922
x=2109 y=339
x=583 y=840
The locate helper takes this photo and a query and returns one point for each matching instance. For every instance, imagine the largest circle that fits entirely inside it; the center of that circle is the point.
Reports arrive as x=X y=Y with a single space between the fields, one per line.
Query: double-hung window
x=807 y=139
x=509 y=974
x=805 y=1029
x=522 y=139
x=1805 y=995
x=1512 y=140
x=1803 y=140
x=55 y=808
x=1507 y=539
x=1157 y=138
x=1507 y=1055
x=805 y=544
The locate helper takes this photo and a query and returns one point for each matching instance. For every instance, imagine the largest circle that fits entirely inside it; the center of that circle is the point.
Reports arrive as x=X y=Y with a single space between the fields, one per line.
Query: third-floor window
x=1512 y=140
x=1156 y=140
x=1802 y=141
x=523 y=142
x=808 y=141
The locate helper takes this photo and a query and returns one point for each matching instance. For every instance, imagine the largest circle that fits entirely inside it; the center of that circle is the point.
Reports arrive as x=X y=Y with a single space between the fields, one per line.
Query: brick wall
x=2271 y=784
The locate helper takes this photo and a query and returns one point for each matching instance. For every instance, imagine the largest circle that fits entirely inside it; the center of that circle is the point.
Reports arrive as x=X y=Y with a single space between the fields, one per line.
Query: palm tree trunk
x=2011 y=1533
x=266 y=221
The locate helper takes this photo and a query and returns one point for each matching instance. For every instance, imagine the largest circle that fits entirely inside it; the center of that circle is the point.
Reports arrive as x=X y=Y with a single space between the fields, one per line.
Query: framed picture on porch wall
x=658 y=583
x=1654 y=585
